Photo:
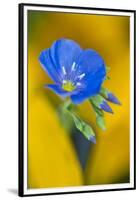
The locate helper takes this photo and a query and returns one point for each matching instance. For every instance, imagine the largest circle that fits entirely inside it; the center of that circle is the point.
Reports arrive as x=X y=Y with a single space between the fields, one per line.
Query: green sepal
x=64 y=116
x=67 y=105
x=104 y=92
x=107 y=69
x=82 y=126
x=99 y=117
x=97 y=110
x=101 y=103
x=97 y=100
x=107 y=78
x=101 y=122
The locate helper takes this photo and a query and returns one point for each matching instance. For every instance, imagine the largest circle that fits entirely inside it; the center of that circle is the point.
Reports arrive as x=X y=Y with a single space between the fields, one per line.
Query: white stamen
x=81 y=76
x=78 y=84
x=64 y=71
x=73 y=66
x=64 y=81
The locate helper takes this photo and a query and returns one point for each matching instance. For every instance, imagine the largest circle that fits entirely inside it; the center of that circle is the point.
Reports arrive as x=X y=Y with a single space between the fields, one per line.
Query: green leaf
x=101 y=122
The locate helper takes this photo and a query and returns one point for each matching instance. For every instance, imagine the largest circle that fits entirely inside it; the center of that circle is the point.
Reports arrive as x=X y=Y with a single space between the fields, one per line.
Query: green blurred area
x=52 y=157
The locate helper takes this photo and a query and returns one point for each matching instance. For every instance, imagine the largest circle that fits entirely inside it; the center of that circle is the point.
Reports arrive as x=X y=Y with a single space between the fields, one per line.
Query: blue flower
x=77 y=73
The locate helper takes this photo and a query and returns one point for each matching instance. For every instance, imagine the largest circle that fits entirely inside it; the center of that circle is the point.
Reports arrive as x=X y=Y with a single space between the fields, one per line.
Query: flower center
x=68 y=86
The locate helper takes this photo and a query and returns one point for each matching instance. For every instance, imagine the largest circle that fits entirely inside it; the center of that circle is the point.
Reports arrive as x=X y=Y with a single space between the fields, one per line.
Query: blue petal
x=92 y=139
x=86 y=93
x=64 y=52
x=59 y=91
x=92 y=66
x=112 y=98
x=90 y=63
x=104 y=106
x=49 y=66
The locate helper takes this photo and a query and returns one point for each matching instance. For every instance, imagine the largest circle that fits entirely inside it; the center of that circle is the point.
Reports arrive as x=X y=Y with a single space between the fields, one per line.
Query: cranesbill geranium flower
x=77 y=73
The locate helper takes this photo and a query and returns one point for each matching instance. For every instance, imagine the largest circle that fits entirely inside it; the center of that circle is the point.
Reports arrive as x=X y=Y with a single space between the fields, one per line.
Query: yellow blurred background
x=52 y=157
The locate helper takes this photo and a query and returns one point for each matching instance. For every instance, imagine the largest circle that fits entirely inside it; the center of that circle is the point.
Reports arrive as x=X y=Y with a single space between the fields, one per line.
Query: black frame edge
x=20 y=103
x=78 y=7
x=135 y=99
x=21 y=100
